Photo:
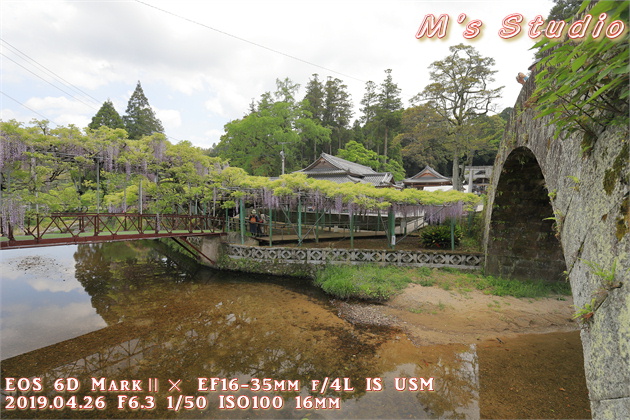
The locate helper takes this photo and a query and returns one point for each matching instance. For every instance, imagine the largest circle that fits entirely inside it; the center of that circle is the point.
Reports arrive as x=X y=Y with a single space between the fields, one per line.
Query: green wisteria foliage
x=66 y=169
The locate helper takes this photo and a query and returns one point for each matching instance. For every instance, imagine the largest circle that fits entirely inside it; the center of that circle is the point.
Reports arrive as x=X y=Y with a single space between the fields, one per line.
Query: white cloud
x=29 y=328
x=59 y=105
x=170 y=118
x=7 y=114
x=215 y=106
x=45 y=272
x=188 y=68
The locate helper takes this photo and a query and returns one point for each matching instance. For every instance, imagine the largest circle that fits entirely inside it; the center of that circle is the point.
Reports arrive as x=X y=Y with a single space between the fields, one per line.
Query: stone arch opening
x=522 y=240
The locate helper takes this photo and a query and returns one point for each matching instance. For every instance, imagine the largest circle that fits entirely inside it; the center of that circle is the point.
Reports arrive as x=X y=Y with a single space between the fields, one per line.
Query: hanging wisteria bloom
x=12 y=212
x=11 y=150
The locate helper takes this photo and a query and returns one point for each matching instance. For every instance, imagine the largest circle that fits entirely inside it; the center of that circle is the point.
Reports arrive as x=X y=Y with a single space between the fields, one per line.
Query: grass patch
x=368 y=282
x=372 y=282
x=465 y=282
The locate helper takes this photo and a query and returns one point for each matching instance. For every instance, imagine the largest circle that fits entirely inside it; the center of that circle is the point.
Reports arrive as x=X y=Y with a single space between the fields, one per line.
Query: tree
x=422 y=140
x=369 y=102
x=286 y=90
x=254 y=142
x=564 y=9
x=367 y=133
x=583 y=86
x=315 y=97
x=140 y=119
x=311 y=133
x=107 y=116
x=337 y=109
x=459 y=93
x=389 y=105
x=356 y=152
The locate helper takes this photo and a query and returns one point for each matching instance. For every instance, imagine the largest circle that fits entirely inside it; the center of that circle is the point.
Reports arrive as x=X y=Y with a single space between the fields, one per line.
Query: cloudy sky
x=202 y=62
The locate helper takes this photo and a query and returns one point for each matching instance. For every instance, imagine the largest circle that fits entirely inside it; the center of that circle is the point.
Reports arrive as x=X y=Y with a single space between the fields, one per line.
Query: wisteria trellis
x=204 y=179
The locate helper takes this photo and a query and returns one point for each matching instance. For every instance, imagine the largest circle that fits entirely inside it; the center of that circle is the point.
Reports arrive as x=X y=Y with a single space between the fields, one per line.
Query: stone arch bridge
x=554 y=213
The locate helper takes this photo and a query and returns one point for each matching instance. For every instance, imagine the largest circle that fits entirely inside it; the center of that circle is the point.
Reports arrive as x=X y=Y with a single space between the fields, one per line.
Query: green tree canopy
x=584 y=85
x=107 y=116
x=337 y=110
x=460 y=92
x=140 y=119
x=422 y=140
x=256 y=141
x=564 y=9
x=315 y=97
x=356 y=152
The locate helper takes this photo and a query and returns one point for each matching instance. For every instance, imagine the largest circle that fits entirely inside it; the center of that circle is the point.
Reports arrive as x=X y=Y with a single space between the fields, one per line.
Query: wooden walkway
x=322 y=236
x=331 y=234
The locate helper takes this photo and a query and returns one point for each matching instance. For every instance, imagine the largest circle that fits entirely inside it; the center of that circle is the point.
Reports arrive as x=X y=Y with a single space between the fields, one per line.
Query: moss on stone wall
x=613 y=175
x=623 y=222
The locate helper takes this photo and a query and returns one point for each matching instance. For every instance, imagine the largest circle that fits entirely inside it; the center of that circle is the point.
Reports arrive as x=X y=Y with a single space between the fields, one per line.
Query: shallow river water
x=145 y=333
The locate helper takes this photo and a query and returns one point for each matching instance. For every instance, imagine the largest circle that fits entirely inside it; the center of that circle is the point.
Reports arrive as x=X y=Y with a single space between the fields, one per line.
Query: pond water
x=143 y=331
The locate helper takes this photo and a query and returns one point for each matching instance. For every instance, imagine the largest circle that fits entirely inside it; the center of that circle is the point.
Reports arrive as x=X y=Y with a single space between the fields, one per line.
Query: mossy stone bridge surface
x=557 y=212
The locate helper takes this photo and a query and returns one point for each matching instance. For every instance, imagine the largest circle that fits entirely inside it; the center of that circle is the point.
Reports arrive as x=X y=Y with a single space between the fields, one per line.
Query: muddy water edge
x=137 y=311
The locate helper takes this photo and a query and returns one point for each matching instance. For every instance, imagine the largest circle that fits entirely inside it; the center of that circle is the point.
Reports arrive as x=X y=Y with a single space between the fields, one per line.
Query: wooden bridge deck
x=322 y=236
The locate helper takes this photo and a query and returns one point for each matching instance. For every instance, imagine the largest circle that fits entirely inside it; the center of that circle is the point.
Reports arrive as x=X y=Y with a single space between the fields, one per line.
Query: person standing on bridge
x=254 y=223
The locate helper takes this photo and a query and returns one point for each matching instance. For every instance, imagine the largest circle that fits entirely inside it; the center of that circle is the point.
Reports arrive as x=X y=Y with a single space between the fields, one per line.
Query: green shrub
x=440 y=236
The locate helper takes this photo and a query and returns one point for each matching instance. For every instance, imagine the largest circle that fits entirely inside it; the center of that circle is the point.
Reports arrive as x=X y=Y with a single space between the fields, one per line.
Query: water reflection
x=150 y=313
x=168 y=320
x=41 y=301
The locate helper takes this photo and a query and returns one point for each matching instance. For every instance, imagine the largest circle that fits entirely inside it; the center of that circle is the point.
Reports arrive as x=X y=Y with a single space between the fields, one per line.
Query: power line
x=250 y=42
x=30 y=109
x=51 y=84
x=55 y=75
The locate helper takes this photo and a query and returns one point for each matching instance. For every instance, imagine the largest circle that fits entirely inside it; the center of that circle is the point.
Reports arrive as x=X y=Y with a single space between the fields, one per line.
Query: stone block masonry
x=558 y=212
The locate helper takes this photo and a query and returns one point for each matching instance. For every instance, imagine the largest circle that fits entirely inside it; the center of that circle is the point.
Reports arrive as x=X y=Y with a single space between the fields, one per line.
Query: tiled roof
x=342 y=164
x=379 y=179
x=339 y=178
x=335 y=169
x=427 y=175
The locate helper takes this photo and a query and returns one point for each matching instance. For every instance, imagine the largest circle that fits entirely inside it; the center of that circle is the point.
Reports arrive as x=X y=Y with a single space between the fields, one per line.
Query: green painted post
x=98 y=188
x=241 y=217
x=270 y=228
x=391 y=221
x=299 y=220
x=453 y=234
x=351 y=230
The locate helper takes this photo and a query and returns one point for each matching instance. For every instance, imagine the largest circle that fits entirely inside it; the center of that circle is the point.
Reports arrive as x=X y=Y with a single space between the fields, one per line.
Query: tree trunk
x=456 y=183
x=385 y=147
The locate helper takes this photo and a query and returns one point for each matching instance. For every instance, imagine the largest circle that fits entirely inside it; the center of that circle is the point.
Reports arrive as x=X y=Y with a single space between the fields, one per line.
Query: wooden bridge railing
x=129 y=225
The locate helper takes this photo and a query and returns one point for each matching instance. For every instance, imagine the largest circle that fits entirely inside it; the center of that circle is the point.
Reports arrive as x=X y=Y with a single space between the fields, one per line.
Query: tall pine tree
x=140 y=119
x=337 y=110
x=315 y=97
x=389 y=108
x=107 y=116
